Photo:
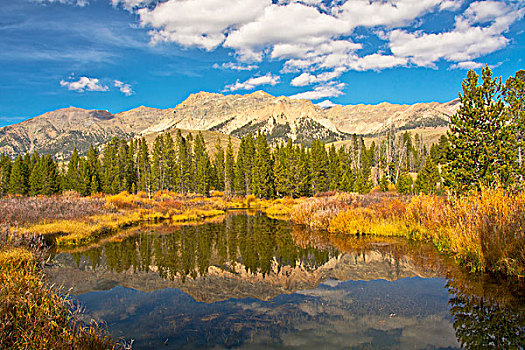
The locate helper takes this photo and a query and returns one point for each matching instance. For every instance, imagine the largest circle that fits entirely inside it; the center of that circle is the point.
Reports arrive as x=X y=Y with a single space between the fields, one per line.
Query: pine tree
x=143 y=167
x=318 y=166
x=514 y=95
x=93 y=168
x=159 y=168
x=428 y=179
x=49 y=175
x=110 y=168
x=404 y=184
x=229 y=169
x=18 y=179
x=262 y=168
x=481 y=150
x=383 y=184
x=184 y=161
x=334 y=166
x=240 y=174
x=72 y=179
x=202 y=166
x=219 y=166
x=5 y=171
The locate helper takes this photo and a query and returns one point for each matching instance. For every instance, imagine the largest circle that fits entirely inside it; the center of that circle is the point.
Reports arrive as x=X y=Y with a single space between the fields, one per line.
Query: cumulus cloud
x=467 y=65
x=123 y=87
x=200 y=23
x=80 y=3
x=268 y=79
x=308 y=79
x=317 y=39
x=234 y=66
x=321 y=91
x=477 y=32
x=326 y=104
x=84 y=84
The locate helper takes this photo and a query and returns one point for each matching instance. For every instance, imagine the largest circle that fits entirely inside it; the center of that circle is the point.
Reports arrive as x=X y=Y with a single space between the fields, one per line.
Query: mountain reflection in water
x=253 y=282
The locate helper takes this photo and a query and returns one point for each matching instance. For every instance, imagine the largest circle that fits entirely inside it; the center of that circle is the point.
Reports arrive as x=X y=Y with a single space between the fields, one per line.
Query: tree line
x=484 y=147
x=182 y=164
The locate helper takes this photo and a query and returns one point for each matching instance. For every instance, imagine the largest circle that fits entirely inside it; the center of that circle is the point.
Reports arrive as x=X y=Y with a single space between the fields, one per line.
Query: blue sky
x=120 y=54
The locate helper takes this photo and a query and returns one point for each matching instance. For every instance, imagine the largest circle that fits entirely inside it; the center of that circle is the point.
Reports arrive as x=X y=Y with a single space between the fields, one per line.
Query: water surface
x=252 y=282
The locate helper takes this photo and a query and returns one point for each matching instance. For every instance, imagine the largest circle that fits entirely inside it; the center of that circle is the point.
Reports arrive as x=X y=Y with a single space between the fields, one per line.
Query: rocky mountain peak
x=58 y=132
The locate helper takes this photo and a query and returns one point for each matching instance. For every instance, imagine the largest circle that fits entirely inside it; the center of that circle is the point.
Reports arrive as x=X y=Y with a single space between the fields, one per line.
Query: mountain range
x=58 y=132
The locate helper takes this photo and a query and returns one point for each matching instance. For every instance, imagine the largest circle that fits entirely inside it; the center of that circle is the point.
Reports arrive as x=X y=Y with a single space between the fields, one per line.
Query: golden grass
x=34 y=317
x=484 y=231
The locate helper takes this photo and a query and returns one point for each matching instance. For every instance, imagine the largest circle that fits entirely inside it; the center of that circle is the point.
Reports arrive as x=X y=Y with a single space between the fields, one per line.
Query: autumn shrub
x=250 y=200
x=19 y=210
x=483 y=230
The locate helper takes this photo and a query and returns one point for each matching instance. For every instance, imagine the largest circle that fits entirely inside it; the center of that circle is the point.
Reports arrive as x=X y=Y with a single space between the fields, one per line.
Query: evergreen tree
x=428 y=179
x=514 y=95
x=318 y=167
x=404 y=184
x=302 y=182
x=229 y=169
x=334 y=167
x=5 y=171
x=143 y=168
x=184 y=160
x=110 y=168
x=93 y=169
x=262 y=168
x=383 y=184
x=481 y=150
x=170 y=156
x=202 y=166
x=219 y=166
x=159 y=168
x=49 y=175
x=72 y=178
x=240 y=174
x=18 y=179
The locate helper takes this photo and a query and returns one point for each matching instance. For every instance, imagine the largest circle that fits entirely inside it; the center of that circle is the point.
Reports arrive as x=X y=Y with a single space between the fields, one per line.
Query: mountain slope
x=58 y=132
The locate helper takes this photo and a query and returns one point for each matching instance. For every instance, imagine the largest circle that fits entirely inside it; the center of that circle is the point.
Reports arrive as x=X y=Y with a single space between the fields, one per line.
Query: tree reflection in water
x=484 y=323
x=256 y=242
x=484 y=314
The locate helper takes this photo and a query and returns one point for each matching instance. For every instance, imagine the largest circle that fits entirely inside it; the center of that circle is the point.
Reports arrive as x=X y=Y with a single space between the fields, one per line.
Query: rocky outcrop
x=282 y=118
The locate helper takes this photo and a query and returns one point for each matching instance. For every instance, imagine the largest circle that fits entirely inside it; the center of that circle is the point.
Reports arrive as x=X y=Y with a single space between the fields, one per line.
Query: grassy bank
x=71 y=221
x=32 y=315
x=484 y=231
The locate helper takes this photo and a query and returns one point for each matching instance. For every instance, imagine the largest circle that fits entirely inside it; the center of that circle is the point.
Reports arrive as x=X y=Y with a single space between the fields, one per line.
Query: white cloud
x=321 y=91
x=318 y=40
x=80 y=3
x=131 y=4
x=477 y=32
x=450 y=5
x=383 y=13
x=326 y=104
x=268 y=79
x=84 y=84
x=295 y=24
x=467 y=65
x=308 y=79
x=200 y=23
x=124 y=88
x=234 y=66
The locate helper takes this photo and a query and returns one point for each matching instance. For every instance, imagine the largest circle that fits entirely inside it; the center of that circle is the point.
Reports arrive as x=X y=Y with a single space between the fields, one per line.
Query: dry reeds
x=483 y=230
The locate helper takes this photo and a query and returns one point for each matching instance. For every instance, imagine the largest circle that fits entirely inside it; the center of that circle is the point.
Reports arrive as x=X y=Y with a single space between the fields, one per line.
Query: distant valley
x=58 y=132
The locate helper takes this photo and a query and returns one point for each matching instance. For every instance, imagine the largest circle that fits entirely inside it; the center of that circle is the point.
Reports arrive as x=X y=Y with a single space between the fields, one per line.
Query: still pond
x=247 y=281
